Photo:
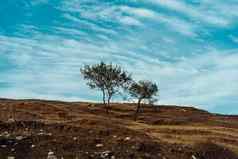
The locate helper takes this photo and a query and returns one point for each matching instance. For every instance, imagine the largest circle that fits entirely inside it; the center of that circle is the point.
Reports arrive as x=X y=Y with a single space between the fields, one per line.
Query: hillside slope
x=84 y=131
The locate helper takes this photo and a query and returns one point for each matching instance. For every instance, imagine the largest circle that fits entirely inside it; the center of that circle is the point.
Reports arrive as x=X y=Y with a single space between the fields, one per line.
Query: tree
x=108 y=78
x=142 y=90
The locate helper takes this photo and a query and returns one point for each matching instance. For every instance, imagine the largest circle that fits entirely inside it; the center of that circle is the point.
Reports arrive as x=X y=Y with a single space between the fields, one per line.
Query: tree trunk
x=108 y=103
x=138 y=109
x=103 y=96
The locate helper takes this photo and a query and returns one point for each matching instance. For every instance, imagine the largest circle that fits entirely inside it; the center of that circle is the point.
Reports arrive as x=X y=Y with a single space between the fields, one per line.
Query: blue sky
x=189 y=47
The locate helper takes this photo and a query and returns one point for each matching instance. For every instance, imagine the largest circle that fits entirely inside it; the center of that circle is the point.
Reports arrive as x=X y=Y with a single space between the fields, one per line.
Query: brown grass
x=74 y=129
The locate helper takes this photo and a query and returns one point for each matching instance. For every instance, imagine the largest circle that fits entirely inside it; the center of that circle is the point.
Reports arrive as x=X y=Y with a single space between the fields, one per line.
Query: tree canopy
x=108 y=78
x=143 y=90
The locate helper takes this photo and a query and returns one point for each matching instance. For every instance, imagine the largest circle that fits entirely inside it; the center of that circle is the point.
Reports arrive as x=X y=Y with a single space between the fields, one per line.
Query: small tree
x=142 y=90
x=108 y=78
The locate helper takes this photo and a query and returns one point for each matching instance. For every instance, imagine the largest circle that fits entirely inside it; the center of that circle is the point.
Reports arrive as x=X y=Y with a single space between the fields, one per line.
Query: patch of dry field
x=191 y=135
x=76 y=128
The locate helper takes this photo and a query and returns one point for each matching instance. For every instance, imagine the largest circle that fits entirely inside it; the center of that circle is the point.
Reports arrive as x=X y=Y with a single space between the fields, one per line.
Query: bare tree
x=108 y=78
x=142 y=90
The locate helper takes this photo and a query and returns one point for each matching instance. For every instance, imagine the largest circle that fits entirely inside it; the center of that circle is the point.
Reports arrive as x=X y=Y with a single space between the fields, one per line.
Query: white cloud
x=131 y=16
x=130 y=21
x=178 y=25
x=191 y=82
x=197 y=80
x=234 y=39
x=161 y=46
x=140 y=12
x=174 y=23
x=203 y=13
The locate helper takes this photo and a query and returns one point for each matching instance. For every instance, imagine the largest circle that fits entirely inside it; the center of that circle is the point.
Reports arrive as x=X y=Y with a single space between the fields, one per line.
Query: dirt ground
x=79 y=130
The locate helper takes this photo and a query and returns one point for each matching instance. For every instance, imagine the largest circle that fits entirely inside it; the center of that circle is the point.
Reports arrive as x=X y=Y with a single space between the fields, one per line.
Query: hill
x=77 y=130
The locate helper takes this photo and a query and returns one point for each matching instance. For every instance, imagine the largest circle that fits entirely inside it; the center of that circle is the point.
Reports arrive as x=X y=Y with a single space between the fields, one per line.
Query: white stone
x=51 y=155
x=11 y=120
x=41 y=133
x=99 y=145
x=6 y=134
x=19 y=137
x=193 y=157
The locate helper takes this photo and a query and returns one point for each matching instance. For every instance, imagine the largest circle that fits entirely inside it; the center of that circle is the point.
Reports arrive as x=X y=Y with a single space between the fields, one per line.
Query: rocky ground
x=53 y=129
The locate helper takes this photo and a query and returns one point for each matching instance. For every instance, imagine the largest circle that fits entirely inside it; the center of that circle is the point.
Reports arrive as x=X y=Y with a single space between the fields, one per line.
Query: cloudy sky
x=189 y=47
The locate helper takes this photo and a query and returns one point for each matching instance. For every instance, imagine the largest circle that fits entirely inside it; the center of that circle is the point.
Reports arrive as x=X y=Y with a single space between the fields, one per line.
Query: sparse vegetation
x=52 y=129
x=111 y=78
x=172 y=133
x=142 y=90
x=108 y=78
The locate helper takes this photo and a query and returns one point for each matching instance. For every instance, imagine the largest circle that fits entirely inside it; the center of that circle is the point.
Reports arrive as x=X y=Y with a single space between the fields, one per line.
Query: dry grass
x=172 y=132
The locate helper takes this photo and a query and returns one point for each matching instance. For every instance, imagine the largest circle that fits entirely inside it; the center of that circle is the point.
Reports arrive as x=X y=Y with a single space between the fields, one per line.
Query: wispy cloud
x=202 y=12
x=174 y=43
x=234 y=39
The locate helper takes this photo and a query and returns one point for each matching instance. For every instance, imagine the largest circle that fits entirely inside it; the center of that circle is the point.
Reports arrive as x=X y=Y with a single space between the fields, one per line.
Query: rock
x=127 y=138
x=106 y=155
x=184 y=110
x=51 y=155
x=99 y=145
x=40 y=134
x=193 y=157
x=11 y=120
x=6 y=134
x=19 y=137
x=10 y=157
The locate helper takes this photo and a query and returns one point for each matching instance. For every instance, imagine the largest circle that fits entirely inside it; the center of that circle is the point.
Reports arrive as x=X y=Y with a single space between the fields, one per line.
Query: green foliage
x=143 y=90
x=108 y=78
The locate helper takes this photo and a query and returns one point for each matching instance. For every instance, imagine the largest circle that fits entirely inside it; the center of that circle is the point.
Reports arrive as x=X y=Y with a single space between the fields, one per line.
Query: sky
x=188 y=47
